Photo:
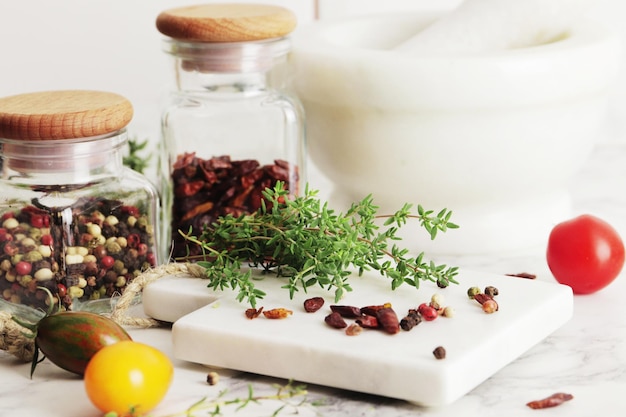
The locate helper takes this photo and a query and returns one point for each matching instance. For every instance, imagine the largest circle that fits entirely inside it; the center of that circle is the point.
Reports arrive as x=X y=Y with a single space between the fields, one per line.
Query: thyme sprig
x=291 y=396
x=134 y=159
x=303 y=239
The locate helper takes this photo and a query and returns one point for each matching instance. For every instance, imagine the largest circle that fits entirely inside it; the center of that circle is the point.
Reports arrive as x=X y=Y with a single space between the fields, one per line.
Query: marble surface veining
x=586 y=357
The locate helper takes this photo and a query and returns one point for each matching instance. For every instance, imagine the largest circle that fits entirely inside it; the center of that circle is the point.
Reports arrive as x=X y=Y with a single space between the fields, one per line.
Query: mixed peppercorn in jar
x=73 y=220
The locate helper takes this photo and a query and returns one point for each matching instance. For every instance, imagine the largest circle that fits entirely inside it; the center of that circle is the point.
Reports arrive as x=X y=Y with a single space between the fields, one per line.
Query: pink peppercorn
x=23 y=268
x=429 y=313
x=107 y=261
x=151 y=258
x=490 y=306
x=46 y=240
x=37 y=221
x=142 y=249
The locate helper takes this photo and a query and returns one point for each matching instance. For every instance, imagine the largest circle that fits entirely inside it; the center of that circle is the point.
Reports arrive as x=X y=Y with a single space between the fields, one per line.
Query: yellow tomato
x=128 y=376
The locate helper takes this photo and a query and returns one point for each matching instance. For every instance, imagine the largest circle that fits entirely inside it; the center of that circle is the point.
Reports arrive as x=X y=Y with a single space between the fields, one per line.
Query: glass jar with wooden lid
x=231 y=126
x=73 y=219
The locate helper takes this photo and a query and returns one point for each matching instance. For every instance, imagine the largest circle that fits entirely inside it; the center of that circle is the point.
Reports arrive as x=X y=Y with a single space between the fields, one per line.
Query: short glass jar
x=231 y=126
x=73 y=218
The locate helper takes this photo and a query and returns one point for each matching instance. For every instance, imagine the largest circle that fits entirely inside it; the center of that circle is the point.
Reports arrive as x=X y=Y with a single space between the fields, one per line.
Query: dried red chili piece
x=251 y=178
x=219 y=162
x=348 y=312
x=481 y=297
x=184 y=160
x=335 y=320
x=388 y=320
x=188 y=189
x=240 y=199
x=371 y=310
x=311 y=305
x=523 y=275
x=367 y=322
x=198 y=210
x=551 y=401
x=354 y=330
x=277 y=313
x=277 y=172
x=253 y=313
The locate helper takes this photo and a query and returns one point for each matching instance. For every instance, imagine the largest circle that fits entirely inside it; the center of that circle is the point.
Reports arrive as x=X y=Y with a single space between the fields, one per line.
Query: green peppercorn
x=35 y=233
x=472 y=292
x=118 y=266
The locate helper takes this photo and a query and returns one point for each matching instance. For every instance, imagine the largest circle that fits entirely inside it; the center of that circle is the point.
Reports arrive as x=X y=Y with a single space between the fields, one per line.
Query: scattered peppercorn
x=490 y=306
x=472 y=291
x=439 y=352
x=427 y=312
x=412 y=319
x=212 y=378
x=448 y=312
x=436 y=301
x=491 y=291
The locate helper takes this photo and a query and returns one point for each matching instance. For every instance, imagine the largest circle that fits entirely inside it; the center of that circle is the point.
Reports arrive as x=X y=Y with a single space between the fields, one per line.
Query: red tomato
x=585 y=253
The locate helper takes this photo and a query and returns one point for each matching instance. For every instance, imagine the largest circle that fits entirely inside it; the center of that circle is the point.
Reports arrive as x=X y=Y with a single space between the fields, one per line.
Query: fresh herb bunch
x=134 y=160
x=302 y=239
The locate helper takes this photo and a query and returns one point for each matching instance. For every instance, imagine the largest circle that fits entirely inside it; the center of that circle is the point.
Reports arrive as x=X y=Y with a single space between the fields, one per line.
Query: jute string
x=14 y=339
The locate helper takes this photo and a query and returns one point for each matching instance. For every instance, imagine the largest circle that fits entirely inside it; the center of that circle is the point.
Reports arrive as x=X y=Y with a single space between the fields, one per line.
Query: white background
x=113 y=45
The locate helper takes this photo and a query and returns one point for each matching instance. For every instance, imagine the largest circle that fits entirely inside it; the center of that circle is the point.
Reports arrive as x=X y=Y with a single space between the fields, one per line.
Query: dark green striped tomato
x=69 y=339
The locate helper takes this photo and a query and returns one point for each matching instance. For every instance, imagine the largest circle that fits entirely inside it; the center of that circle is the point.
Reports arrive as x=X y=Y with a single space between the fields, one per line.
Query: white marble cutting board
x=211 y=328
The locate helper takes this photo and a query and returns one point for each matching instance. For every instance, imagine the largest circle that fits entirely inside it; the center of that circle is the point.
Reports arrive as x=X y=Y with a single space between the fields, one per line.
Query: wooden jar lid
x=226 y=22
x=66 y=114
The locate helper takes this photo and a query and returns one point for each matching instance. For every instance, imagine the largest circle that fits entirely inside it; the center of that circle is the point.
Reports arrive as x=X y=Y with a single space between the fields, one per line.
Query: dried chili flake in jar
x=74 y=219
x=230 y=128
x=205 y=190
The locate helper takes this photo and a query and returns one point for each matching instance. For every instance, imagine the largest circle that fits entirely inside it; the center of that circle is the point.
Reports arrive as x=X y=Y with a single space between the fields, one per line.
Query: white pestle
x=495 y=25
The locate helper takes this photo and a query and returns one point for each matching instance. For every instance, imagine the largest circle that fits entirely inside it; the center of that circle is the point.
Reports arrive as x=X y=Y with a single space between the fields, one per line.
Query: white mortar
x=492 y=136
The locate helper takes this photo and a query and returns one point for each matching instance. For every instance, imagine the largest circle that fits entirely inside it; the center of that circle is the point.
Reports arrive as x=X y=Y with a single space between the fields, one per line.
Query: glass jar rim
x=228 y=57
x=55 y=155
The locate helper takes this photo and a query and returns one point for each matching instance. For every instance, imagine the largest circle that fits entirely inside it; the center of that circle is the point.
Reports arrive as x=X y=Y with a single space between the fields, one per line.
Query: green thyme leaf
x=134 y=160
x=302 y=239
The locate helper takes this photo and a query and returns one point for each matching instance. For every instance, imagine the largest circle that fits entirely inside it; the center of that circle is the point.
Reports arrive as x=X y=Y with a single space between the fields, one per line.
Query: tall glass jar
x=73 y=219
x=231 y=127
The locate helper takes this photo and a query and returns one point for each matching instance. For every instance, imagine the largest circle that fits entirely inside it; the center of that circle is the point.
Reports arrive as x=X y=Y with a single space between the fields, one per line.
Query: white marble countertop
x=586 y=357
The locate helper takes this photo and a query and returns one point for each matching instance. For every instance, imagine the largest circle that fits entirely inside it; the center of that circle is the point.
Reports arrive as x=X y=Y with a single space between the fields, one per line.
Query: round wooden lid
x=63 y=114
x=226 y=22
